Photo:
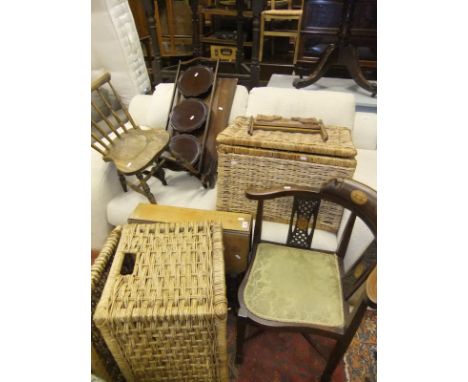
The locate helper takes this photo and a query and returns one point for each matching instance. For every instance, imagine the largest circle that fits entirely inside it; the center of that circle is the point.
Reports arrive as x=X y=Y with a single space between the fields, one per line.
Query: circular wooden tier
x=196 y=81
x=189 y=115
x=187 y=147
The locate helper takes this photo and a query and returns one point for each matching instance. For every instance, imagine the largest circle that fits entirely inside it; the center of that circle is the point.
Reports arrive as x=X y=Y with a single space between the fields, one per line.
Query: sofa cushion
x=303 y=103
x=366 y=168
x=152 y=110
x=365 y=131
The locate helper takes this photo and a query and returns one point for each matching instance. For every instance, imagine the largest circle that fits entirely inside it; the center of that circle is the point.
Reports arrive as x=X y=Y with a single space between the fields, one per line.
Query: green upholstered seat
x=295 y=286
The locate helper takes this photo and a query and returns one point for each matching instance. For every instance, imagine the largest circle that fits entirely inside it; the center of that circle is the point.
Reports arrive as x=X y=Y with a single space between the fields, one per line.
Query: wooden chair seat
x=137 y=149
x=291 y=285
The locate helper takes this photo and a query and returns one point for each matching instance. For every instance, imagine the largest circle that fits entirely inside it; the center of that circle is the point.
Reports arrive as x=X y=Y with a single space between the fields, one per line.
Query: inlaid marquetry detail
x=303 y=220
x=360 y=269
x=358 y=197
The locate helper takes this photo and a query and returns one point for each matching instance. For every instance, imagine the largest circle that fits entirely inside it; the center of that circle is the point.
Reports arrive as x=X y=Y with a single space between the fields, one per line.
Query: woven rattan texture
x=339 y=143
x=273 y=159
x=102 y=362
x=166 y=320
x=240 y=172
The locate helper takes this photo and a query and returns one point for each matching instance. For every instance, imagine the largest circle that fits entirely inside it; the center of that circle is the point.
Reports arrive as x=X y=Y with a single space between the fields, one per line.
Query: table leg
x=322 y=67
x=197 y=47
x=257 y=8
x=351 y=61
x=240 y=34
x=156 y=62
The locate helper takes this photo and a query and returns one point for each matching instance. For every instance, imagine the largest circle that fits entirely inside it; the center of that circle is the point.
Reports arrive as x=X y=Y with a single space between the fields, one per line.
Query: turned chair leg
x=122 y=181
x=160 y=174
x=342 y=344
x=241 y=326
x=146 y=190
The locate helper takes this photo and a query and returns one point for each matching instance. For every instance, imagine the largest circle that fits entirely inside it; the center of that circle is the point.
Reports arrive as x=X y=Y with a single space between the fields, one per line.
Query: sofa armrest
x=365 y=131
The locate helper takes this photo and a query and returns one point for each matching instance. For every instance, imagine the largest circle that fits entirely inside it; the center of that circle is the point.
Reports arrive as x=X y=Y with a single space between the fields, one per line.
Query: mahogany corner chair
x=291 y=287
x=119 y=139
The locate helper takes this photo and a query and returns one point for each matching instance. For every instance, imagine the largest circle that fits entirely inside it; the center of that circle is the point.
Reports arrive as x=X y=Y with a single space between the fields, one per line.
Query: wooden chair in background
x=275 y=14
x=118 y=139
x=292 y=287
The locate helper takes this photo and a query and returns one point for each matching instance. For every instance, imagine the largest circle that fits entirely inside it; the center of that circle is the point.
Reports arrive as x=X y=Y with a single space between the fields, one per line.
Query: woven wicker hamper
x=274 y=158
x=103 y=364
x=163 y=311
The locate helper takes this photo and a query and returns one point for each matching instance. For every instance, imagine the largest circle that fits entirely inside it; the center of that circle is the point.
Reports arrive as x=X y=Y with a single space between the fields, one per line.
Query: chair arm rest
x=354 y=196
x=276 y=192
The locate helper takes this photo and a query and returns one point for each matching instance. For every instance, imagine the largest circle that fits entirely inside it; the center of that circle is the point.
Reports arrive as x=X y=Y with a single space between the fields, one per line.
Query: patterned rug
x=361 y=357
x=287 y=357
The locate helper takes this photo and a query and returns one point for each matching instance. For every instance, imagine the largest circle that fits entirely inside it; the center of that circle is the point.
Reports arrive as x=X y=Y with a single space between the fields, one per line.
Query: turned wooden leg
x=122 y=181
x=146 y=190
x=262 y=38
x=240 y=34
x=156 y=63
x=257 y=7
x=160 y=174
x=351 y=60
x=322 y=67
x=196 y=41
x=241 y=326
x=342 y=344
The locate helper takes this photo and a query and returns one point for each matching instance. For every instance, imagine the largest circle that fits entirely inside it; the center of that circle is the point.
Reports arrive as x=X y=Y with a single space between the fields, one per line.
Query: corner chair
x=291 y=287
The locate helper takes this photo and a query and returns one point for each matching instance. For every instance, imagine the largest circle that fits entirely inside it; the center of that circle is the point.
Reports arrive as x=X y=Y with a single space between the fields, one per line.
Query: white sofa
x=183 y=190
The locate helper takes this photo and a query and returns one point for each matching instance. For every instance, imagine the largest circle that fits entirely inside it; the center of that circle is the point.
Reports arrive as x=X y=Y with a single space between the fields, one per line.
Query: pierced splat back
x=303 y=221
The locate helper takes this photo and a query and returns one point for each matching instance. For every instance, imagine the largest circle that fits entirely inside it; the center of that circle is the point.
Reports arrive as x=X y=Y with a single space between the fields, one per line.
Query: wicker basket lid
x=339 y=143
x=154 y=272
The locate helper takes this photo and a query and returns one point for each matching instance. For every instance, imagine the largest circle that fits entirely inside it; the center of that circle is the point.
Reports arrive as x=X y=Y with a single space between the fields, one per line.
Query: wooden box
x=269 y=159
x=224 y=53
x=237 y=228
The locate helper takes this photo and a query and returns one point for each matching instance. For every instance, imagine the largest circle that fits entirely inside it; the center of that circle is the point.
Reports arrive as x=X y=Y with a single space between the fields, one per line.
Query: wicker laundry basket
x=163 y=310
x=102 y=362
x=274 y=158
